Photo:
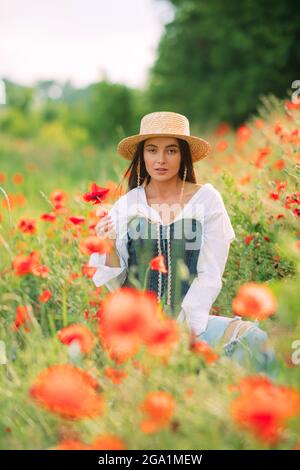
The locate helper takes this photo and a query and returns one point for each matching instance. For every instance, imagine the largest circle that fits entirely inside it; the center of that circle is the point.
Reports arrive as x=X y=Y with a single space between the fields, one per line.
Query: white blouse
x=208 y=207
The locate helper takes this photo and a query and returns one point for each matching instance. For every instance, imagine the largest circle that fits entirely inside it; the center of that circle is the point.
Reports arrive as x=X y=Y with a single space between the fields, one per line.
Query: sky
x=80 y=40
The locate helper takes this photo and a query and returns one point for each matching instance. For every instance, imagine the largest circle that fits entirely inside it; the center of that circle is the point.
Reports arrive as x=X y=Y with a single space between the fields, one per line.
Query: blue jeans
x=248 y=349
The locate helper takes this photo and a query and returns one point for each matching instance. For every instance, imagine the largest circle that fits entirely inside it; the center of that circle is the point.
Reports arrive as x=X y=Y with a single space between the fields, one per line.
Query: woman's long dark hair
x=186 y=162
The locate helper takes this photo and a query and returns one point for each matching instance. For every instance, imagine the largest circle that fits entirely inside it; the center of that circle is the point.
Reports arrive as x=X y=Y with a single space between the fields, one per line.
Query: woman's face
x=162 y=152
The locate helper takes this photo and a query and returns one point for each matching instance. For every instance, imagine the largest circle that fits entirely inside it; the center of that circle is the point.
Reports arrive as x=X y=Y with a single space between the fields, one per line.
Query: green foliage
x=216 y=59
x=110 y=112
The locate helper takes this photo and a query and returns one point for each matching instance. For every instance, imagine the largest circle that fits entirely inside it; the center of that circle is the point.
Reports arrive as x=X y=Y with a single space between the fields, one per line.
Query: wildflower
x=96 y=194
x=49 y=217
x=88 y=271
x=221 y=146
x=68 y=391
x=204 y=350
x=77 y=220
x=274 y=195
x=248 y=239
x=94 y=244
x=23 y=264
x=254 y=301
x=78 y=333
x=159 y=406
x=115 y=375
x=158 y=264
x=243 y=133
x=18 y=178
x=161 y=337
x=45 y=296
x=263 y=408
x=108 y=442
x=27 y=225
x=22 y=318
x=127 y=315
x=104 y=442
x=58 y=198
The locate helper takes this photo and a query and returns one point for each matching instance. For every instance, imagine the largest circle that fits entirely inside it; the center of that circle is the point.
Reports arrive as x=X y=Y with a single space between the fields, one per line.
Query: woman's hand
x=105 y=228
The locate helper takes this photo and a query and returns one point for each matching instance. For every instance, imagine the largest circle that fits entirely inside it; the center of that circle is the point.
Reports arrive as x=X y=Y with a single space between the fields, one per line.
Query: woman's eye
x=170 y=150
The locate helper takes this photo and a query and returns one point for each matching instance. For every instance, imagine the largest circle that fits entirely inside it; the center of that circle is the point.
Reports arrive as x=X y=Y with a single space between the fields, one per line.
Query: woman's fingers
x=104 y=221
x=105 y=228
x=101 y=212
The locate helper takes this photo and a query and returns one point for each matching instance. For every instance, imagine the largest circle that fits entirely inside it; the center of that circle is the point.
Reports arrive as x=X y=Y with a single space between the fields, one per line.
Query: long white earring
x=139 y=172
x=183 y=181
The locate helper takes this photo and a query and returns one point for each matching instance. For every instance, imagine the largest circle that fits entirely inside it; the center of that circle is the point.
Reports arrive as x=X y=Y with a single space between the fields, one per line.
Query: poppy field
x=85 y=368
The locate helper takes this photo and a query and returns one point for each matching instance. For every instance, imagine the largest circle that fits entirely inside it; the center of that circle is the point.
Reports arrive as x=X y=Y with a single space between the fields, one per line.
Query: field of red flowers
x=85 y=368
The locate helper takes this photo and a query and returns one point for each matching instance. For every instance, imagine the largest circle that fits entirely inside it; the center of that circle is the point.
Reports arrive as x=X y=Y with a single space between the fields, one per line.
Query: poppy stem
x=146 y=277
x=64 y=307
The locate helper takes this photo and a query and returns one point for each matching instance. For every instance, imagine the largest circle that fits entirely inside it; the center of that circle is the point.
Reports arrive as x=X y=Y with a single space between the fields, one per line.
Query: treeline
x=215 y=60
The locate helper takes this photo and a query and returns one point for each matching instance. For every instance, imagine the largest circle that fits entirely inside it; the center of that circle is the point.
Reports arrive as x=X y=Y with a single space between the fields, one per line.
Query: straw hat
x=164 y=123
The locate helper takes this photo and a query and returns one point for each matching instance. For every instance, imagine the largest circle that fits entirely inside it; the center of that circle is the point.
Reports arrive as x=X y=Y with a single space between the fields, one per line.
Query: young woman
x=166 y=213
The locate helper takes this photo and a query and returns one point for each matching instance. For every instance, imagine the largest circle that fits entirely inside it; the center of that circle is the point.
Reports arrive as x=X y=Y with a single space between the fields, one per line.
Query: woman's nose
x=161 y=158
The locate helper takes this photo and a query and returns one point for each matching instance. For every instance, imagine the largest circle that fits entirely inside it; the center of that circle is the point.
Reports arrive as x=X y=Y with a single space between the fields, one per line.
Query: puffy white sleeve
x=217 y=236
x=112 y=277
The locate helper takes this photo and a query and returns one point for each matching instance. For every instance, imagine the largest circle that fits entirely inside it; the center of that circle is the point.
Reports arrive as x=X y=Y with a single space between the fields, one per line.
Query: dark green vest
x=185 y=244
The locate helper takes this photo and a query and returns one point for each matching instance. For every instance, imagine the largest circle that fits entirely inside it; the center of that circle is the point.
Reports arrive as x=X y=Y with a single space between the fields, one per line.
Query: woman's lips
x=161 y=171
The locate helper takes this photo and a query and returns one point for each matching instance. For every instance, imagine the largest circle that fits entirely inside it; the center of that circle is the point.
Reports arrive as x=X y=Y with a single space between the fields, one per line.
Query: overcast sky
x=80 y=40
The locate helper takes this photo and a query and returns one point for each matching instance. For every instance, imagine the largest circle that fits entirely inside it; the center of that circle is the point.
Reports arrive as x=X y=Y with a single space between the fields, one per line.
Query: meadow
x=71 y=377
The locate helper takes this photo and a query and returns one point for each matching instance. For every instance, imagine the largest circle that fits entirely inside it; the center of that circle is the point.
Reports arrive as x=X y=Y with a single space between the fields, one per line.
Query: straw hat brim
x=199 y=147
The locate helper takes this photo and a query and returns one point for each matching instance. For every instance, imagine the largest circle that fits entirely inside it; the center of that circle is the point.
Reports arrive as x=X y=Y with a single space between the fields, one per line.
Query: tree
x=216 y=59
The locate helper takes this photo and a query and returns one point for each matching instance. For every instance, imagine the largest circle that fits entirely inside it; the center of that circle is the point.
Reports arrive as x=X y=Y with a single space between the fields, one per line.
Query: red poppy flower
x=204 y=350
x=41 y=271
x=162 y=337
x=88 y=271
x=243 y=133
x=254 y=301
x=77 y=220
x=263 y=407
x=45 y=296
x=58 y=198
x=18 y=178
x=159 y=406
x=279 y=164
x=221 y=145
x=127 y=316
x=96 y=195
x=158 y=264
x=280 y=185
x=291 y=105
x=23 y=264
x=104 y=442
x=115 y=375
x=274 y=195
x=22 y=317
x=78 y=333
x=222 y=129
x=248 y=239
x=50 y=217
x=108 y=442
x=27 y=225
x=68 y=391
x=94 y=244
